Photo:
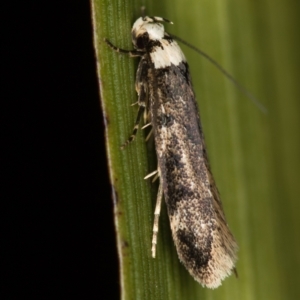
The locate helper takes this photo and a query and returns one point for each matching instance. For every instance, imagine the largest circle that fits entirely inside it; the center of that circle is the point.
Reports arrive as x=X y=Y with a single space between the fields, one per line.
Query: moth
x=203 y=241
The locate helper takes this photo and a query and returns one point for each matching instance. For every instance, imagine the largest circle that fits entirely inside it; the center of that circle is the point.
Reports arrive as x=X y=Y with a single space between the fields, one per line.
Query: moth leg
x=147 y=125
x=147 y=114
x=142 y=106
x=147 y=117
x=131 y=53
x=135 y=128
x=155 y=175
x=149 y=135
x=156 y=218
x=151 y=174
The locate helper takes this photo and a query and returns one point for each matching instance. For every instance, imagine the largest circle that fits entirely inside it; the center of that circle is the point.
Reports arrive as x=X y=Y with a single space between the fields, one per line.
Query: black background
x=59 y=239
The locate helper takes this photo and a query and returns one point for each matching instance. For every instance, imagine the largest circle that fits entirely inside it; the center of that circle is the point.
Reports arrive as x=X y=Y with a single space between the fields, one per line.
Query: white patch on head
x=162 y=56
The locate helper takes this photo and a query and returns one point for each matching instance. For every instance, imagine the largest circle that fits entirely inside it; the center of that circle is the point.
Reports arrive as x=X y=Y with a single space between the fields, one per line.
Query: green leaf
x=254 y=156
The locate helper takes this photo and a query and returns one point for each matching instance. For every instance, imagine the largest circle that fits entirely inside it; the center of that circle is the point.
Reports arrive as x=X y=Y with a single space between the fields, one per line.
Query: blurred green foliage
x=254 y=156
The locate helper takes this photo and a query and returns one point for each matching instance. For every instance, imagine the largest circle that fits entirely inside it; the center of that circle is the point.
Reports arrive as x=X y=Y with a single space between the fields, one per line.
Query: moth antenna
x=156 y=19
x=227 y=75
x=143 y=10
x=160 y=19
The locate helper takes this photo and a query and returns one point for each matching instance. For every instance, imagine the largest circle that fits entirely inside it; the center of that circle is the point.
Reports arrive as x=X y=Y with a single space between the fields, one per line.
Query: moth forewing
x=200 y=232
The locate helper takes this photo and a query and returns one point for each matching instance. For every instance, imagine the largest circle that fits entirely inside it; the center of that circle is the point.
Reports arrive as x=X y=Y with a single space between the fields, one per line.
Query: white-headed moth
x=200 y=232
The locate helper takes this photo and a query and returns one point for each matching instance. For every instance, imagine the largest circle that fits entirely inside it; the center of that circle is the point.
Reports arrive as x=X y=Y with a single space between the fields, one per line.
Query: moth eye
x=142 y=41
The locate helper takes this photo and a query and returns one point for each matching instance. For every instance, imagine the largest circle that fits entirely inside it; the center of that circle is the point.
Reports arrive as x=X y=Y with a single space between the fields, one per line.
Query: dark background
x=58 y=229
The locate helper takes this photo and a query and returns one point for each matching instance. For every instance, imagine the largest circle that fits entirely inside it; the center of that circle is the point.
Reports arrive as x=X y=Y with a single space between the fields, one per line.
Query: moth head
x=146 y=30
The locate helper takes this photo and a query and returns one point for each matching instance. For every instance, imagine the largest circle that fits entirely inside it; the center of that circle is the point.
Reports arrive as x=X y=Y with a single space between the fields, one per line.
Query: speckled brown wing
x=203 y=240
